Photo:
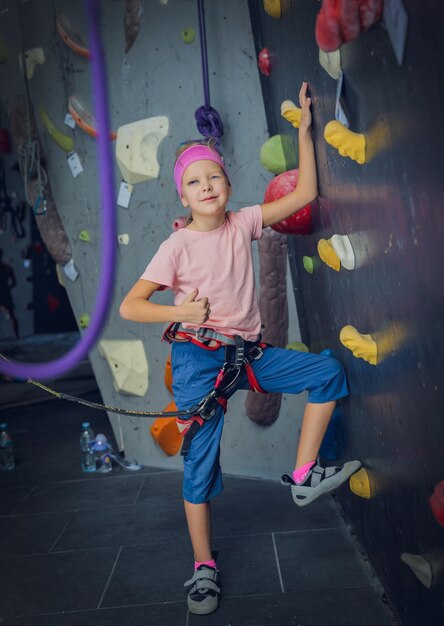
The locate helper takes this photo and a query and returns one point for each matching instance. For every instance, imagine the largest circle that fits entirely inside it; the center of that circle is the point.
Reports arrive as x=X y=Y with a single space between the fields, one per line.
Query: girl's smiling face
x=205 y=189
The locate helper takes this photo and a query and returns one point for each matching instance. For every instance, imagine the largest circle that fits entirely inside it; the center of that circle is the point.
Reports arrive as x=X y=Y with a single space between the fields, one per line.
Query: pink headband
x=191 y=155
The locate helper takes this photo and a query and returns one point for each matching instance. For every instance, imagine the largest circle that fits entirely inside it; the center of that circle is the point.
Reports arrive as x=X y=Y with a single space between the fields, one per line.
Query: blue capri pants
x=279 y=370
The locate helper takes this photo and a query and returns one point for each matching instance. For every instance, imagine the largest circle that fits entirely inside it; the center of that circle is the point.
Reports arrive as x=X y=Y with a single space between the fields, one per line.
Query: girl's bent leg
x=314 y=425
x=199 y=527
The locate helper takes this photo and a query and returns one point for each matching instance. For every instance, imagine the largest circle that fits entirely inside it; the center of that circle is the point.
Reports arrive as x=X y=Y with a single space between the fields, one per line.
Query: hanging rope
x=31 y=168
x=105 y=407
x=57 y=367
x=209 y=122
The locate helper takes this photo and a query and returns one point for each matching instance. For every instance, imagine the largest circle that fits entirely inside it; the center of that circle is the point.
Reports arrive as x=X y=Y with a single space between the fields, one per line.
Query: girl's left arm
x=307 y=187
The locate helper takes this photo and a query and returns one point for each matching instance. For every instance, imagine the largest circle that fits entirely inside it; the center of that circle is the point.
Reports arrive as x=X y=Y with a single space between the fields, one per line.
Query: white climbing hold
x=344 y=250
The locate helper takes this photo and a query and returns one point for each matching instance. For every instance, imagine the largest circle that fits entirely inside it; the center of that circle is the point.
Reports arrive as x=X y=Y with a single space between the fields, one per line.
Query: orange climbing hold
x=165 y=433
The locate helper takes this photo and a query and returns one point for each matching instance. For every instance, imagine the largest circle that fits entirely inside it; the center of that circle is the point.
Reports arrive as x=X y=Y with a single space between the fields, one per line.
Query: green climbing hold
x=84 y=236
x=188 y=35
x=308 y=264
x=84 y=321
x=279 y=154
x=298 y=345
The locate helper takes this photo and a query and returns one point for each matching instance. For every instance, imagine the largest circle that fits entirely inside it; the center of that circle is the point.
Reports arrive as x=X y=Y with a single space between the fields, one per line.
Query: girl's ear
x=184 y=202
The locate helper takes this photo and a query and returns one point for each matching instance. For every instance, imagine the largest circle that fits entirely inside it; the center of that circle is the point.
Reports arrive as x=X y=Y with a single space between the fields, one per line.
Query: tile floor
x=79 y=549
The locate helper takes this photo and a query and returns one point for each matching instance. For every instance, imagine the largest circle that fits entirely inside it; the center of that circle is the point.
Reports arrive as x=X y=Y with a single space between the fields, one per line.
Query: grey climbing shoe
x=203 y=596
x=319 y=480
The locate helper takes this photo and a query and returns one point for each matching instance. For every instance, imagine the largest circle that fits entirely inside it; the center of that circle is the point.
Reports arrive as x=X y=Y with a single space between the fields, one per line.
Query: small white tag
x=70 y=121
x=74 y=164
x=124 y=196
x=70 y=270
x=396 y=20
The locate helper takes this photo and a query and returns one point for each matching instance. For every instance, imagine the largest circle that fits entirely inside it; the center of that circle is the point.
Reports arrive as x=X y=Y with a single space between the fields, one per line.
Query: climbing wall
x=154 y=71
x=390 y=209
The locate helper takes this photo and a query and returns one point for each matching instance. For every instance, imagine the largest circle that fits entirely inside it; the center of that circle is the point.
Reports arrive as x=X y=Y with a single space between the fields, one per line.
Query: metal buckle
x=207 y=407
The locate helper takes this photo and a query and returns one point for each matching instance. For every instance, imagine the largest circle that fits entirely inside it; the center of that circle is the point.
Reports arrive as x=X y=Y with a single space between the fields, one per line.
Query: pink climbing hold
x=264 y=62
x=180 y=222
x=436 y=502
x=300 y=222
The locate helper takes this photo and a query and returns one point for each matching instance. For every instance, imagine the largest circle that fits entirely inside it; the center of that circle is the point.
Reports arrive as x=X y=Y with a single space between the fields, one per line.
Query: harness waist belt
x=176 y=332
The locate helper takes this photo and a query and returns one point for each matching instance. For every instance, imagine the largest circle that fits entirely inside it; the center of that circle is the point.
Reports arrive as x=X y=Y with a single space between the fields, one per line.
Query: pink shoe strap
x=301 y=473
x=211 y=563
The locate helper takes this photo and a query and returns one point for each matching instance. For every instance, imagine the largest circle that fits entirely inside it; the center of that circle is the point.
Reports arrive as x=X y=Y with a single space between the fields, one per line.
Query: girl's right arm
x=136 y=306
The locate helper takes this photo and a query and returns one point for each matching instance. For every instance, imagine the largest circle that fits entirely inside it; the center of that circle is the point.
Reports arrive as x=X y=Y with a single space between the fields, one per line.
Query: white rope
x=31 y=168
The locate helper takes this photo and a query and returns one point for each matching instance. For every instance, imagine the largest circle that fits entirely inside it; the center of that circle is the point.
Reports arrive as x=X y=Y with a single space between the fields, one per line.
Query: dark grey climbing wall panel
x=392 y=210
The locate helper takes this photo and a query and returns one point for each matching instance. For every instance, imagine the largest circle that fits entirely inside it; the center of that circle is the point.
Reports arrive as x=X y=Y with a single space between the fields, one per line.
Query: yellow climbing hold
x=362 y=346
x=291 y=113
x=328 y=254
x=273 y=8
x=360 y=484
x=346 y=142
x=63 y=141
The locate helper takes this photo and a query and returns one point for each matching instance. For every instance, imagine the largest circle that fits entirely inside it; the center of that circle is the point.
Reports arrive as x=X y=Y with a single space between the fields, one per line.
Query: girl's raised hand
x=304 y=102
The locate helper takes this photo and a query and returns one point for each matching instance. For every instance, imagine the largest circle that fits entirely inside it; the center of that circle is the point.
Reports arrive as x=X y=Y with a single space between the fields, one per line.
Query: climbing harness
x=239 y=355
x=208 y=120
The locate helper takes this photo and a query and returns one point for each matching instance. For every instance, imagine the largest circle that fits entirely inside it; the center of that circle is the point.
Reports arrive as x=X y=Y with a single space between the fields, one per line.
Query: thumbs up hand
x=194 y=311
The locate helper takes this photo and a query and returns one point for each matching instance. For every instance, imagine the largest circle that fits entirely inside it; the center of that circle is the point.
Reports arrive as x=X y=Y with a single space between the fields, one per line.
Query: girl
x=208 y=265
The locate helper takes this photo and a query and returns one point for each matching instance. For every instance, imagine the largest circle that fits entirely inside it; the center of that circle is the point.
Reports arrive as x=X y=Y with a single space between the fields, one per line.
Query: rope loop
x=209 y=122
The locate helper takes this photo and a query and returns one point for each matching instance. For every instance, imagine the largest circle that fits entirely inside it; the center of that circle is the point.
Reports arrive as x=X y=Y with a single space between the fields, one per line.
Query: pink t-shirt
x=218 y=263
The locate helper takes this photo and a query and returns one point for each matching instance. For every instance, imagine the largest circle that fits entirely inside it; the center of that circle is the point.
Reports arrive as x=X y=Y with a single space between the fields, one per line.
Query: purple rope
x=209 y=122
x=57 y=367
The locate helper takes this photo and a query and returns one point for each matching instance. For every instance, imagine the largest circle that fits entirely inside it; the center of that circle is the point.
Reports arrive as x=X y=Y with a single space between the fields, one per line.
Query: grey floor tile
x=174 y=614
x=320 y=559
x=90 y=492
x=54 y=582
x=160 y=518
x=247 y=565
x=344 y=607
x=254 y=506
x=151 y=574
x=30 y=534
x=11 y=496
x=168 y=484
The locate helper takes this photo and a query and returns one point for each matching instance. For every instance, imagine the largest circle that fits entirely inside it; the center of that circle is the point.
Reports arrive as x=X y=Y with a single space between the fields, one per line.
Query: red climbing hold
x=264 y=62
x=300 y=222
x=436 y=502
x=340 y=21
x=53 y=303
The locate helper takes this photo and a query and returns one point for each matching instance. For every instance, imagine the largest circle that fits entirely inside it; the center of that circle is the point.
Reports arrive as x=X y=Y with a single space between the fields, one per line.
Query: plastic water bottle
x=7 y=461
x=102 y=449
x=86 y=443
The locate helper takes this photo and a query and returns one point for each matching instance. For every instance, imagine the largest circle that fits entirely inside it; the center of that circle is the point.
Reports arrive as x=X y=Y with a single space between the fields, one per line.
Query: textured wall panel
x=392 y=210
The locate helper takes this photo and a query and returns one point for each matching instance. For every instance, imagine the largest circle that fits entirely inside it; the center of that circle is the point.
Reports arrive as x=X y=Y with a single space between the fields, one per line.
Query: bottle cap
x=85 y=424
x=3 y=426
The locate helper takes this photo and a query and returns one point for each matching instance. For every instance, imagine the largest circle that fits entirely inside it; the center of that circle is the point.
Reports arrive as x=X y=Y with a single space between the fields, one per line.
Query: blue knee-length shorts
x=279 y=370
